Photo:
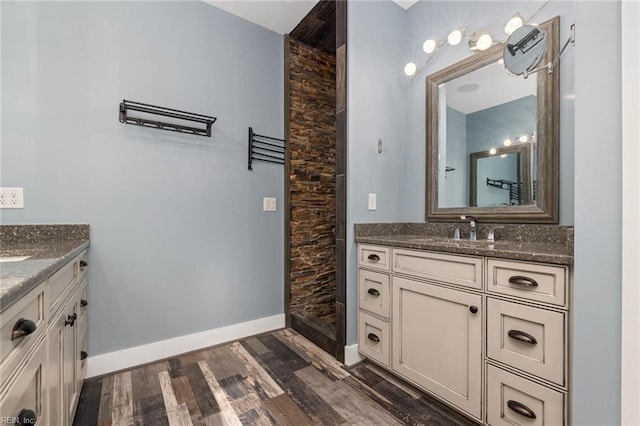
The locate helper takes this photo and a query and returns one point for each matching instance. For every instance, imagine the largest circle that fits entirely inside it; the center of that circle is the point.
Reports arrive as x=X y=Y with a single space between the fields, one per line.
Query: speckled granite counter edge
x=28 y=283
x=513 y=254
x=30 y=233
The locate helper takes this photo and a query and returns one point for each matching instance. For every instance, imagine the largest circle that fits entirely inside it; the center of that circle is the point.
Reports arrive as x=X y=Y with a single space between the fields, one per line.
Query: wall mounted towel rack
x=265 y=148
x=126 y=106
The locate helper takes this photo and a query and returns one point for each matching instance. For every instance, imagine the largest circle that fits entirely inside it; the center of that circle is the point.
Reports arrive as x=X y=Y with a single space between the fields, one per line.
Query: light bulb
x=503 y=155
x=523 y=138
x=492 y=151
x=484 y=41
x=429 y=46
x=455 y=37
x=410 y=69
x=514 y=23
x=507 y=142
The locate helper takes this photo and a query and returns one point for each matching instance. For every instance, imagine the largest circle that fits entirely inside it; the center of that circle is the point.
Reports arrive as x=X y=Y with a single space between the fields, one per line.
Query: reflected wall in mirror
x=492 y=140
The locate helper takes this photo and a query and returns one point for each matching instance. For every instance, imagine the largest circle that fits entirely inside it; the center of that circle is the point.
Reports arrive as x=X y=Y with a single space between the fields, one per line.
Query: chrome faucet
x=472 y=224
x=491 y=235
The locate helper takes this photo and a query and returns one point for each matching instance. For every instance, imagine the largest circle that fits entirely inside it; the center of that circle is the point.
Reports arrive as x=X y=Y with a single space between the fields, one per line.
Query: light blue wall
x=375 y=111
x=598 y=201
x=428 y=19
x=179 y=240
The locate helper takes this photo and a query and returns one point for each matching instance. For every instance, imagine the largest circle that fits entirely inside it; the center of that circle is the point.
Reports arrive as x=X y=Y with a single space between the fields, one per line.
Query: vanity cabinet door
x=437 y=341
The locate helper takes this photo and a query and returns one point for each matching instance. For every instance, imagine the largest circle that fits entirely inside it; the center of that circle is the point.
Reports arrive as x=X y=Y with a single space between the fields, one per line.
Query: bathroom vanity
x=43 y=319
x=482 y=326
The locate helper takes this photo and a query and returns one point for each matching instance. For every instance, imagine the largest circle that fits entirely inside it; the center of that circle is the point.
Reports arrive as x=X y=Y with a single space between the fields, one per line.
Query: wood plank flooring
x=278 y=378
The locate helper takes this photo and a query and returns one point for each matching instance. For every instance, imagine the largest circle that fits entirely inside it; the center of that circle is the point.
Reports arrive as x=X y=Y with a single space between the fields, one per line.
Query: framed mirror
x=492 y=140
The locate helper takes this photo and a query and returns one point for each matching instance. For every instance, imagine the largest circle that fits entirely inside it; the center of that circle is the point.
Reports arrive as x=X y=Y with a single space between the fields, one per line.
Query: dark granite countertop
x=48 y=252
x=536 y=243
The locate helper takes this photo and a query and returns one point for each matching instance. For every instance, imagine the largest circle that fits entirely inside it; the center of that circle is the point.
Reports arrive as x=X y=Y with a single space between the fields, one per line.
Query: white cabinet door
x=54 y=371
x=437 y=341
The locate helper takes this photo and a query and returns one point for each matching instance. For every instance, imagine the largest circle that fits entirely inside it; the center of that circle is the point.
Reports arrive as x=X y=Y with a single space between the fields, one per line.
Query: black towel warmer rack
x=265 y=148
x=125 y=118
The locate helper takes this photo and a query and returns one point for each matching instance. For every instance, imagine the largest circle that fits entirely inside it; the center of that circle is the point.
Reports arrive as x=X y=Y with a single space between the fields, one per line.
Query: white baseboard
x=130 y=357
x=351 y=355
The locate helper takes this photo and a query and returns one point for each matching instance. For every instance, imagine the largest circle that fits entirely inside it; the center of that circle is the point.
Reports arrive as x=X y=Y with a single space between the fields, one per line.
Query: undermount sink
x=13 y=258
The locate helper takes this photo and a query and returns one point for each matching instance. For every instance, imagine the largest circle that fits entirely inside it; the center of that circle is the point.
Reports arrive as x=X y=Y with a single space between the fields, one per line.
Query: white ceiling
x=280 y=16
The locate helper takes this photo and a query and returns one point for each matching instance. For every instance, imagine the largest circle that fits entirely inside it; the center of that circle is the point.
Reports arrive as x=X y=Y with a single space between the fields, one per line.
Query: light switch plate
x=269 y=204
x=11 y=198
x=372 y=201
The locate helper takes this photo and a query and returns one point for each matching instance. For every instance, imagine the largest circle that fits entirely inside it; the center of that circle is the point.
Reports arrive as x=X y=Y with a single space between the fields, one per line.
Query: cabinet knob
x=373 y=257
x=521 y=336
x=473 y=309
x=373 y=292
x=71 y=320
x=83 y=355
x=523 y=281
x=521 y=409
x=83 y=264
x=23 y=327
x=373 y=337
x=83 y=303
x=27 y=417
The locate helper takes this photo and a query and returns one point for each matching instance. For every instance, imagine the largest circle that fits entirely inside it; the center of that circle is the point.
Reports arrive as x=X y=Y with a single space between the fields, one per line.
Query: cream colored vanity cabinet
x=66 y=341
x=489 y=336
x=527 y=368
x=420 y=315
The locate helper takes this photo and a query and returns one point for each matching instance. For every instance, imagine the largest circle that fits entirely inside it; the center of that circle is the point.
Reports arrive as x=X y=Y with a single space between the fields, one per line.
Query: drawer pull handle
x=83 y=303
x=373 y=292
x=374 y=257
x=521 y=409
x=71 y=320
x=523 y=281
x=83 y=264
x=27 y=417
x=373 y=337
x=473 y=309
x=522 y=337
x=23 y=327
x=83 y=355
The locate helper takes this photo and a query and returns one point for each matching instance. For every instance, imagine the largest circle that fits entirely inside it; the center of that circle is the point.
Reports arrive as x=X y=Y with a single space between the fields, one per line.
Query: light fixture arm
x=423 y=66
x=551 y=65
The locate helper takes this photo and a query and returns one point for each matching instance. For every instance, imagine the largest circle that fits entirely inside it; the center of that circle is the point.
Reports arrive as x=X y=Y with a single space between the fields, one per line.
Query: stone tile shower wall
x=312 y=177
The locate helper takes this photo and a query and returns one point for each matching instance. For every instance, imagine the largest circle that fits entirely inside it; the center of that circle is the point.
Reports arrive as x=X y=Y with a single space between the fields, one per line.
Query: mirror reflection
x=487 y=139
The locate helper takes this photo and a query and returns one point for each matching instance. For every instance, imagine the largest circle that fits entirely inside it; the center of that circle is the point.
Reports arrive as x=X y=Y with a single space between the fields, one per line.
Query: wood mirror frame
x=547 y=134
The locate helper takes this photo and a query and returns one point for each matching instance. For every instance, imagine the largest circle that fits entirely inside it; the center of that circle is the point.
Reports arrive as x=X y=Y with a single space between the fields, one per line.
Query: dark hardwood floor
x=278 y=378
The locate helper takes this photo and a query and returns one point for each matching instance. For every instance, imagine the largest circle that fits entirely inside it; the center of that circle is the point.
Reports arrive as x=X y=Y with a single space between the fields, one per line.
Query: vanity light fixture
x=492 y=151
x=410 y=69
x=455 y=36
x=503 y=155
x=514 y=23
x=524 y=138
x=429 y=45
x=480 y=40
x=507 y=142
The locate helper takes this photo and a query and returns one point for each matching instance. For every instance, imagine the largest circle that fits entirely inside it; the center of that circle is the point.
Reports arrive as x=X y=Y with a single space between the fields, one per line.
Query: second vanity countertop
x=47 y=253
x=548 y=247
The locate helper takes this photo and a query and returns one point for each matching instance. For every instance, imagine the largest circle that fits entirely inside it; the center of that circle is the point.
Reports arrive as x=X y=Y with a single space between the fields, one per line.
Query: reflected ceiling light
x=507 y=142
x=410 y=69
x=455 y=37
x=492 y=151
x=514 y=23
x=503 y=155
x=523 y=138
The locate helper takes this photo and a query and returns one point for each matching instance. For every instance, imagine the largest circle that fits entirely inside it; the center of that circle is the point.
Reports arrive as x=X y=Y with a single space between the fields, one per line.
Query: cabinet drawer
x=512 y=400
x=21 y=326
x=540 y=283
x=527 y=338
x=60 y=282
x=26 y=390
x=373 y=338
x=373 y=257
x=373 y=292
x=460 y=270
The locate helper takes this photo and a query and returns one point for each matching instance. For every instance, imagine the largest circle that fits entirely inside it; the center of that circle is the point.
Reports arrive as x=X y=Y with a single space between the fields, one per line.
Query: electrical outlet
x=269 y=204
x=11 y=198
x=372 y=201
